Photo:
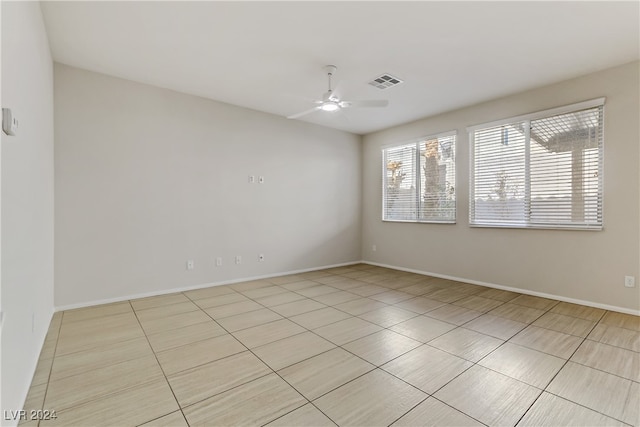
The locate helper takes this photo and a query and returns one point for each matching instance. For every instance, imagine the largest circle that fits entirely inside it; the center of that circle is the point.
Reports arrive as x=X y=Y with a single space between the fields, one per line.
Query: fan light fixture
x=330 y=106
x=330 y=102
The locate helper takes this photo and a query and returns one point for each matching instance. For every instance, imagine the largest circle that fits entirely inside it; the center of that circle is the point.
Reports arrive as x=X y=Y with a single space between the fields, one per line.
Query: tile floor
x=358 y=345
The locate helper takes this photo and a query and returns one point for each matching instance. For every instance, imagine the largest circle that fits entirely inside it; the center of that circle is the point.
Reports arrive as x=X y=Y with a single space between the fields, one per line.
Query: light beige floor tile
x=278 y=299
x=415 y=289
x=600 y=391
x=516 y=312
x=254 y=403
x=534 y=302
x=270 y=332
x=232 y=309
x=447 y=294
x=49 y=348
x=290 y=278
x=580 y=311
x=374 y=399
x=381 y=347
x=619 y=337
x=621 y=320
x=388 y=316
x=550 y=410
x=297 y=307
x=176 y=321
x=495 y=326
x=35 y=399
x=498 y=294
x=391 y=297
x=287 y=351
x=477 y=303
x=97 y=311
x=547 y=341
x=469 y=345
x=614 y=360
x=248 y=320
x=322 y=373
x=121 y=409
x=432 y=412
x=368 y=290
x=89 y=385
x=252 y=284
x=306 y=416
x=213 y=291
x=453 y=314
x=427 y=368
x=218 y=300
x=174 y=419
x=263 y=292
x=110 y=332
x=299 y=284
x=347 y=330
x=419 y=305
x=198 y=353
x=317 y=318
x=189 y=334
x=316 y=291
x=43 y=369
x=204 y=381
x=489 y=397
x=422 y=328
x=343 y=283
x=360 y=306
x=524 y=364
x=565 y=324
x=335 y=298
x=99 y=357
x=166 y=310
x=97 y=325
x=150 y=302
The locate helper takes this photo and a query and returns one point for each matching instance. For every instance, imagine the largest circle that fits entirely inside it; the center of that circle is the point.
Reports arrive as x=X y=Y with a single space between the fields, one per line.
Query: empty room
x=320 y=213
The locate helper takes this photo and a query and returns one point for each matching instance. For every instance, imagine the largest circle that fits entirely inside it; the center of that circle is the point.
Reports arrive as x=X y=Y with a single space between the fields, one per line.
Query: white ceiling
x=268 y=56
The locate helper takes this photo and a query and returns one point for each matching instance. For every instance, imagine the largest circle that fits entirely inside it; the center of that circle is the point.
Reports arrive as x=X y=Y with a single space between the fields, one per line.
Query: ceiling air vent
x=385 y=81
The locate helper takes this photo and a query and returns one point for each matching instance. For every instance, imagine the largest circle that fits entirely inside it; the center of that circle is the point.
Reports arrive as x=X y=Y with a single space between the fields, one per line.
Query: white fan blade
x=304 y=113
x=365 y=104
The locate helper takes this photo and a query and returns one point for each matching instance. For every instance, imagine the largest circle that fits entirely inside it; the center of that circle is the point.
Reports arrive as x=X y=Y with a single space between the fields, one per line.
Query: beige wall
x=582 y=265
x=147 y=179
x=27 y=199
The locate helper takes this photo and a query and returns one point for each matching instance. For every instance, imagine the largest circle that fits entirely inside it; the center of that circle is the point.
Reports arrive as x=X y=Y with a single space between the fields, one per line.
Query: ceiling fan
x=331 y=102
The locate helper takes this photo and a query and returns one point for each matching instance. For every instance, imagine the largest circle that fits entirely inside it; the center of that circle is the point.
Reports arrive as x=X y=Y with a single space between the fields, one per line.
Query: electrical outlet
x=252 y=179
x=629 y=281
x=261 y=179
x=219 y=261
x=261 y=257
x=374 y=248
x=190 y=264
x=238 y=259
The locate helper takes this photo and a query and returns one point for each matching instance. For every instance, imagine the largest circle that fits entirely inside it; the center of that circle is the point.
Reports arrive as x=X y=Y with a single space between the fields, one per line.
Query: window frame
x=419 y=177
x=572 y=108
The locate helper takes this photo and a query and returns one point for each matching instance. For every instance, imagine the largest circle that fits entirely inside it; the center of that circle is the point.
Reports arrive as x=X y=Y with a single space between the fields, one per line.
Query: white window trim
x=584 y=105
x=415 y=141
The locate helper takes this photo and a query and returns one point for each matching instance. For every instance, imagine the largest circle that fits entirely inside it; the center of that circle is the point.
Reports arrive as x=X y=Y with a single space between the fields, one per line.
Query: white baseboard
x=194 y=287
x=512 y=289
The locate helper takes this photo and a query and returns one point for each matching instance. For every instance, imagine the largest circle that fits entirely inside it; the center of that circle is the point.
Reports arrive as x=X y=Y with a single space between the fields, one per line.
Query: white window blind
x=419 y=180
x=539 y=172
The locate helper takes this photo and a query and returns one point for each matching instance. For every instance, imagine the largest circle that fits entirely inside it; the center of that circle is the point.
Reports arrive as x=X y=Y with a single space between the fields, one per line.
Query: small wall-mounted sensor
x=9 y=122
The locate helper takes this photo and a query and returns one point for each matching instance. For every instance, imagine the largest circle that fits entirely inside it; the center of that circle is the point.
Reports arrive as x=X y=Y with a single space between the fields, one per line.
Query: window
x=539 y=171
x=419 y=180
